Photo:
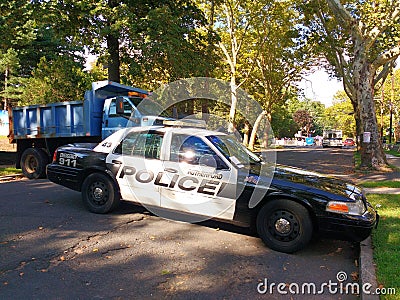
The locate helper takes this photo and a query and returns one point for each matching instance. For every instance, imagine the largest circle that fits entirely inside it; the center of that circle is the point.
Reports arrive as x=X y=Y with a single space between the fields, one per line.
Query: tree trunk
x=372 y=154
x=232 y=111
x=113 y=49
x=246 y=134
x=255 y=128
x=113 y=59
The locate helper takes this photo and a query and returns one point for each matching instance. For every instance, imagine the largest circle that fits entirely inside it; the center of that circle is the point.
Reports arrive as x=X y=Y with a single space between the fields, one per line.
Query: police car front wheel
x=99 y=193
x=284 y=225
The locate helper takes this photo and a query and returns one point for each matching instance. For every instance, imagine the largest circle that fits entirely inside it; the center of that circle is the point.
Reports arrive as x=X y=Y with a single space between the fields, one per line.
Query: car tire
x=284 y=225
x=99 y=193
x=33 y=163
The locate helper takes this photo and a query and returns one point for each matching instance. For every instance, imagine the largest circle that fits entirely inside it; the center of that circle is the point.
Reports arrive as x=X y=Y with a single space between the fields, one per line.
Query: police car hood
x=313 y=182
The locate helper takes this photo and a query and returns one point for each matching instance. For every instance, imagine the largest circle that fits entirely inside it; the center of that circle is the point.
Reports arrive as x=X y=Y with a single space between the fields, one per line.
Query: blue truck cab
x=38 y=130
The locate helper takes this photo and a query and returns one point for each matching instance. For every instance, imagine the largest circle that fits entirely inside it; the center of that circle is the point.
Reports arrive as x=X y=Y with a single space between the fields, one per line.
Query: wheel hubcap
x=98 y=193
x=31 y=164
x=282 y=226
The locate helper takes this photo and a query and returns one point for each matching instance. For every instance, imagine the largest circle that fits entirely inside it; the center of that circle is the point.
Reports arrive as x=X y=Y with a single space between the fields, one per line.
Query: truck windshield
x=238 y=154
x=148 y=107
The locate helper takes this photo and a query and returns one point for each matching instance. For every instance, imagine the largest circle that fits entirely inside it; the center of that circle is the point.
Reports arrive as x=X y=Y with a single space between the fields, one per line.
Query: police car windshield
x=233 y=150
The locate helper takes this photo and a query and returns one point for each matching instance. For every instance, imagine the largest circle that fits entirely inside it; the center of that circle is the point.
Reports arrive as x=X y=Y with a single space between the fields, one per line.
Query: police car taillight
x=55 y=156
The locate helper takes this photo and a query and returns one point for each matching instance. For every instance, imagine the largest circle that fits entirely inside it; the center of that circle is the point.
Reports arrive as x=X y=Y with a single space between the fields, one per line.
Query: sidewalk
x=381 y=176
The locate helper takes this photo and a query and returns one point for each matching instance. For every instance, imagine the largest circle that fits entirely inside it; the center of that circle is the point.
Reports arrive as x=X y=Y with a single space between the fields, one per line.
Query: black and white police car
x=204 y=174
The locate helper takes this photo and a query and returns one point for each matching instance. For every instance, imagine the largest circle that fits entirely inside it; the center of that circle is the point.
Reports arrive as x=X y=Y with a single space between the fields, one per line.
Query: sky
x=319 y=87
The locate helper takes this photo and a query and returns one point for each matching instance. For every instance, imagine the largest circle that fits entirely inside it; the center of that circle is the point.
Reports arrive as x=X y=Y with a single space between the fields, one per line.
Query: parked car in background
x=349 y=142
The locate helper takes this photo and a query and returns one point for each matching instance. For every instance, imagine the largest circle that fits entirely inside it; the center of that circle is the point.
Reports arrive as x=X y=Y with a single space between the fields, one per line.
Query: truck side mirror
x=119 y=102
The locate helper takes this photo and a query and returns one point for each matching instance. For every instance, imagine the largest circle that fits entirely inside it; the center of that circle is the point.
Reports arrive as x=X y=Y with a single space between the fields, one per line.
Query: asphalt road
x=52 y=248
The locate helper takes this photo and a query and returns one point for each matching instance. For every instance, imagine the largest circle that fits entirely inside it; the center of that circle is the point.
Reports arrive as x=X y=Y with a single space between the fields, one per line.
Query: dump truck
x=38 y=130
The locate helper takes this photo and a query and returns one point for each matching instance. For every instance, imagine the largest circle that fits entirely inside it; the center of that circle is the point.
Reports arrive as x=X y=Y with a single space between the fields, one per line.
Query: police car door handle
x=117 y=162
x=170 y=170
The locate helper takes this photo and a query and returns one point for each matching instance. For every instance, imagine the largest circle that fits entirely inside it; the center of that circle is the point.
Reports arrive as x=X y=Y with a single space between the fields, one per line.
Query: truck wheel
x=99 y=193
x=284 y=225
x=33 y=163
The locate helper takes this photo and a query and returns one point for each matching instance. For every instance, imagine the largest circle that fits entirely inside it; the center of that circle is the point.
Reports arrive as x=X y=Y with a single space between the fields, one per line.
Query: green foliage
x=393 y=152
x=383 y=102
x=170 y=44
x=340 y=116
x=282 y=122
x=55 y=81
x=384 y=183
x=9 y=171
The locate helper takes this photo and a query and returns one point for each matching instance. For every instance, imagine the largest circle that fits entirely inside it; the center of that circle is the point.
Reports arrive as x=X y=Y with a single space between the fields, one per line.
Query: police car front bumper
x=349 y=227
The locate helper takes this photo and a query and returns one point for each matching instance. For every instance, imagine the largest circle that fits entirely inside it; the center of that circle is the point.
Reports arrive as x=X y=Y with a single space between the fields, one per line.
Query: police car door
x=136 y=162
x=196 y=179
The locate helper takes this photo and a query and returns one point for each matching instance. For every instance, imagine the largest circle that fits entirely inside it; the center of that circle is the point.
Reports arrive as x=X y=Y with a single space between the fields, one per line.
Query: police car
x=200 y=174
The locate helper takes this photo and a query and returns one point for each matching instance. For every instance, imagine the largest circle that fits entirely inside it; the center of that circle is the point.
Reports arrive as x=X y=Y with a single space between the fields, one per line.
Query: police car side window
x=193 y=150
x=143 y=144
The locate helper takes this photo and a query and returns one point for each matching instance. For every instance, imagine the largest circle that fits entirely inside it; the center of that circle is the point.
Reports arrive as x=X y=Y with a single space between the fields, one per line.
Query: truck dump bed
x=63 y=119
x=66 y=119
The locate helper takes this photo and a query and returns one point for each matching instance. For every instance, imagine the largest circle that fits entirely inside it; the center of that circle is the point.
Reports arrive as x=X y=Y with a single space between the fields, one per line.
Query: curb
x=367 y=270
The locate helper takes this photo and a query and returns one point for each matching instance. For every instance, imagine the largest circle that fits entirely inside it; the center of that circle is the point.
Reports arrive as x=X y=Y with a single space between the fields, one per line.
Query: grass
x=386 y=241
x=9 y=171
x=357 y=159
x=384 y=183
x=393 y=152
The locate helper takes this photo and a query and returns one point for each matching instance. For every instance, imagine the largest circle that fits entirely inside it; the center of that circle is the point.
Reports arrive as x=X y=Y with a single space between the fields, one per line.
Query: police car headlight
x=349 y=208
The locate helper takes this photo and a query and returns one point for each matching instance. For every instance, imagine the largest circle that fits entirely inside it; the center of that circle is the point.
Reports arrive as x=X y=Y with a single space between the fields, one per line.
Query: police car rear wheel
x=284 y=225
x=99 y=193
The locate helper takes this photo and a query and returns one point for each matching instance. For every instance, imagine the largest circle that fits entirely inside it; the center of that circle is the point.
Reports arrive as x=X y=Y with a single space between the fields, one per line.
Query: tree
x=340 y=115
x=9 y=64
x=360 y=42
x=388 y=104
x=304 y=121
x=57 y=80
x=234 y=19
x=278 y=55
x=170 y=43
x=257 y=43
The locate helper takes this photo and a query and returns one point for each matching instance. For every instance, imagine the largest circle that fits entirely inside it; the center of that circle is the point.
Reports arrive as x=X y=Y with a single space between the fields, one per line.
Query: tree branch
x=344 y=16
x=387 y=56
x=377 y=30
x=226 y=53
x=383 y=74
x=340 y=11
